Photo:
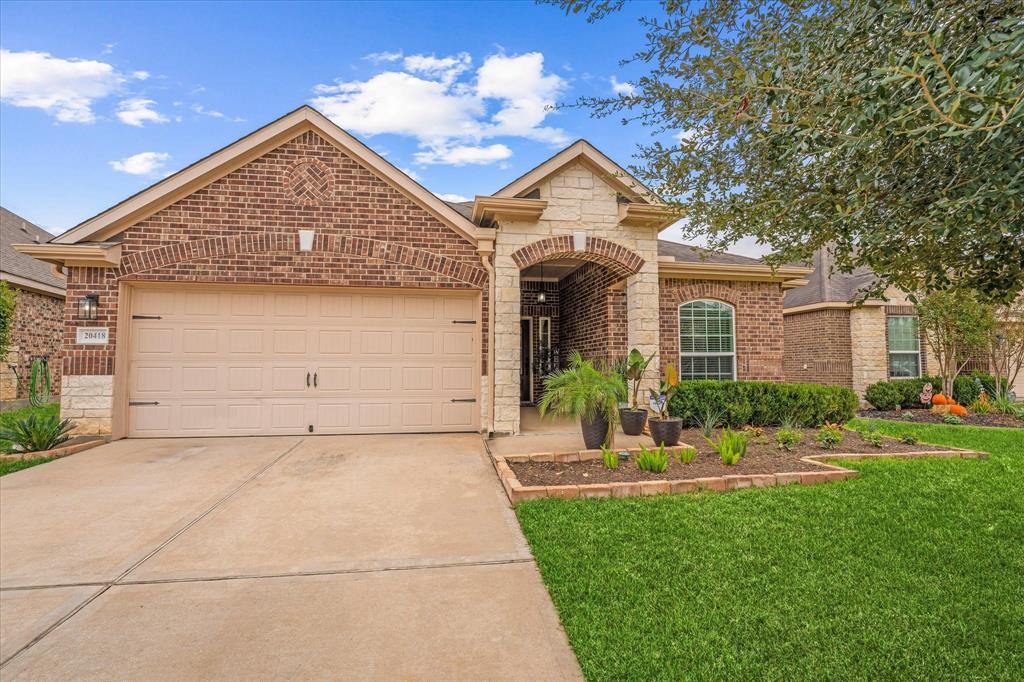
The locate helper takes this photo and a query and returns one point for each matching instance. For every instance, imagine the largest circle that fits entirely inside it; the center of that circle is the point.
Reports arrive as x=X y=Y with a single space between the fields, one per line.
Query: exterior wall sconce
x=88 y=307
x=541 y=296
x=306 y=240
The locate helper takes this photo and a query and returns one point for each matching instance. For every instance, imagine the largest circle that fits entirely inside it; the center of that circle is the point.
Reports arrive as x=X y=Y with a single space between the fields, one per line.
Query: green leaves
x=892 y=132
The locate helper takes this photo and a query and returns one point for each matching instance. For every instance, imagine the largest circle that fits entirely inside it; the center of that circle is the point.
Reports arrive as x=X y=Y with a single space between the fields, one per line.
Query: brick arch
x=724 y=292
x=615 y=257
x=288 y=242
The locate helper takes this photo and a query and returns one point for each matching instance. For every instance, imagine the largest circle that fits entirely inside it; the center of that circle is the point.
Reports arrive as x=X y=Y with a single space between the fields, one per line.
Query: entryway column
x=506 y=341
x=643 y=318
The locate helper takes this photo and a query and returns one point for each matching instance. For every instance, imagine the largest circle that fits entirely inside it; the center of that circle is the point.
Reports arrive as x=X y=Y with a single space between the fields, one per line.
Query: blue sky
x=99 y=100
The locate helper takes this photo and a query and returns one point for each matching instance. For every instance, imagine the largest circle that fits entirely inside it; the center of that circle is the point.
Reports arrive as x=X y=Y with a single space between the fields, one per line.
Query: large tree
x=891 y=131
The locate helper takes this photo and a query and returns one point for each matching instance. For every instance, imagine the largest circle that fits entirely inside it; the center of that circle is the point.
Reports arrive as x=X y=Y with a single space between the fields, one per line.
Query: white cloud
x=63 y=88
x=379 y=57
x=437 y=101
x=684 y=136
x=462 y=155
x=618 y=88
x=411 y=173
x=458 y=198
x=143 y=163
x=140 y=75
x=137 y=111
x=212 y=113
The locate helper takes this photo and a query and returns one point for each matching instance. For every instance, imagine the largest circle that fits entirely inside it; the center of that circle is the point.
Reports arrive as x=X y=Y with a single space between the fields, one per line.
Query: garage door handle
x=463 y=321
x=136 y=403
x=463 y=400
x=307 y=379
x=314 y=380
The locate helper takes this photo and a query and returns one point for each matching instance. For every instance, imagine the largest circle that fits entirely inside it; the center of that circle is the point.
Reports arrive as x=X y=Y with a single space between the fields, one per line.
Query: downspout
x=485 y=258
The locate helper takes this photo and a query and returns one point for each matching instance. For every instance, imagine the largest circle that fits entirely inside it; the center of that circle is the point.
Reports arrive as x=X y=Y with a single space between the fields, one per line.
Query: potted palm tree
x=588 y=393
x=665 y=429
x=634 y=417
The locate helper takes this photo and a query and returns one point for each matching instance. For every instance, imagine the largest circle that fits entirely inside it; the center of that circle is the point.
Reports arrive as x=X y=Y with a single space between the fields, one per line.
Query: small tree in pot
x=634 y=417
x=589 y=393
x=665 y=430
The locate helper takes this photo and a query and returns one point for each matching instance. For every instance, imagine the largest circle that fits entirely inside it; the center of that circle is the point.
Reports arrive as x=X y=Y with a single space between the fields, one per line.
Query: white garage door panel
x=207 y=362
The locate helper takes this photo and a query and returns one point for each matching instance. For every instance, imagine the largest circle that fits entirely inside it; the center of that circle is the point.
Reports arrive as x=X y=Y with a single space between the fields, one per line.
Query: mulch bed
x=929 y=417
x=763 y=457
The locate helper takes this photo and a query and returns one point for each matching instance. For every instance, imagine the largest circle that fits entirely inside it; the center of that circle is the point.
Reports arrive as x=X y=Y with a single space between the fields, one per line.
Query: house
x=39 y=316
x=297 y=282
x=831 y=340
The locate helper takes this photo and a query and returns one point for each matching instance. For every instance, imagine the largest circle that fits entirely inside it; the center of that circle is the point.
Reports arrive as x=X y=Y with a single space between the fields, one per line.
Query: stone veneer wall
x=869 y=354
x=759 y=326
x=36 y=332
x=243 y=229
x=817 y=347
x=578 y=200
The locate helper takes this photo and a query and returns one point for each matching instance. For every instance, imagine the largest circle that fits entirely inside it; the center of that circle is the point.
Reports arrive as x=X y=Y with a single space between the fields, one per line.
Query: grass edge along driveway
x=910 y=571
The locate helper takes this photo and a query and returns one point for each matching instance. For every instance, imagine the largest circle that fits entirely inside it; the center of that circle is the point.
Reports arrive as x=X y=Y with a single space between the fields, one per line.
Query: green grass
x=9 y=417
x=10 y=466
x=913 y=570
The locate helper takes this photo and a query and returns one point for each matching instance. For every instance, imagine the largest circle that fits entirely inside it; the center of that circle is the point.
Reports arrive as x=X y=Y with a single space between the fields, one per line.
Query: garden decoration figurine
x=633 y=417
x=926 y=394
x=665 y=430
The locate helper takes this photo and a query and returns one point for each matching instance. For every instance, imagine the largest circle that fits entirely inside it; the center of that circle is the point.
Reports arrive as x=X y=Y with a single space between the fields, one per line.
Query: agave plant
x=584 y=391
x=35 y=433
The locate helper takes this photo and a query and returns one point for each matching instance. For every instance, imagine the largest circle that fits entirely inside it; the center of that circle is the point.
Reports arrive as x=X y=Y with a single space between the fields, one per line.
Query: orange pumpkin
x=939 y=399
x=958 y=410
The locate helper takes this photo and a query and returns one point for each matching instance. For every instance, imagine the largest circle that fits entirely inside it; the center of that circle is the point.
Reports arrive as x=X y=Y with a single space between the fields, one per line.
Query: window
x=904 y=347
x=707 y=347
x=544 y=345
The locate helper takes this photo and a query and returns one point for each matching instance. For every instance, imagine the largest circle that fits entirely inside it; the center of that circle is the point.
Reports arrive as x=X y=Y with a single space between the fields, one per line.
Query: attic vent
x=535 y=194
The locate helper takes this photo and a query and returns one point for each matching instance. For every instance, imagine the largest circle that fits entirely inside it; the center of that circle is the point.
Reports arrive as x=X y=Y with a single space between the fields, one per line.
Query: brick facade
x=586 y=313
x=817 y=345
x=36 y=332
x=243 y=229
x=758 y=310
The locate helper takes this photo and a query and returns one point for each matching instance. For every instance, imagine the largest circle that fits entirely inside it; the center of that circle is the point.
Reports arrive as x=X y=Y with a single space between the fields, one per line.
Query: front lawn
x=911 y=571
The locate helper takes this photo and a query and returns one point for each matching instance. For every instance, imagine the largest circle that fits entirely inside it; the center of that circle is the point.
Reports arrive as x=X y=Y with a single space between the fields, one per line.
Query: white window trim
x=890 y=353
x=732 y=354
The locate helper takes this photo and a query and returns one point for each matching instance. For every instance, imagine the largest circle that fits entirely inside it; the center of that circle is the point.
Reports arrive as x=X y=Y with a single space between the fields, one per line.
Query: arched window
x=707 y=340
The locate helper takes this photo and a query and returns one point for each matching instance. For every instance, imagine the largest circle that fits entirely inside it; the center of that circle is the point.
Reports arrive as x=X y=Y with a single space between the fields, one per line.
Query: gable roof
x=218 y=164
x=828 y=286
x=685 y=253
x=18 y=268
x=584 y=152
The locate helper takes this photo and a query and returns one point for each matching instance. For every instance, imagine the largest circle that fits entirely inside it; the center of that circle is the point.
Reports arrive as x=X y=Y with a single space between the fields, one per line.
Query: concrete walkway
x=346 y=557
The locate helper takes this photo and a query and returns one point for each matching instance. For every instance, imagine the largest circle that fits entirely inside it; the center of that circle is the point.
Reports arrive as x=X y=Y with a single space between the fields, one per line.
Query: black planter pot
x=594 y=432
x=632 y=420
x=666 y=431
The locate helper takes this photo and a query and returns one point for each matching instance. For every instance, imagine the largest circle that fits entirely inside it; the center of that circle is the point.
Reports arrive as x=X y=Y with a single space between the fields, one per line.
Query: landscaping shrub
x=967 y=387
x=37 y=432
x=731 y=446
x=906 y=391
x=762 y=403
x=653 y=460
x=829 y=436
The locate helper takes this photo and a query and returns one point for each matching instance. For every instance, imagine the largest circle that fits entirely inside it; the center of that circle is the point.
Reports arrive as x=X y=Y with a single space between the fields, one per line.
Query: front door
x=525 y=360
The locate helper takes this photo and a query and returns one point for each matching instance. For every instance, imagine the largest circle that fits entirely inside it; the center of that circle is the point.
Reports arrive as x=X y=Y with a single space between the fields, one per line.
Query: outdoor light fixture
x=88 y=307
x=306 y=240
x=542 y=297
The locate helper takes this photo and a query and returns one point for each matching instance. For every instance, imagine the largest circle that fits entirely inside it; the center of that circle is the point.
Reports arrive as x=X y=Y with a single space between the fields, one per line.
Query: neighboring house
x=295 y=281
x=39 y=317
x=830 y=340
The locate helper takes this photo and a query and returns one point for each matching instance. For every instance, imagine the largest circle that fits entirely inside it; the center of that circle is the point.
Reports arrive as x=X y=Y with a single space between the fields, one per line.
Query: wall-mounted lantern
x=89 y=307
x=542 y=297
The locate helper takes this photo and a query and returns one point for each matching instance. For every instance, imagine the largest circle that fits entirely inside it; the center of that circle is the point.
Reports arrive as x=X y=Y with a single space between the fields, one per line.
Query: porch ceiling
x=552 y=270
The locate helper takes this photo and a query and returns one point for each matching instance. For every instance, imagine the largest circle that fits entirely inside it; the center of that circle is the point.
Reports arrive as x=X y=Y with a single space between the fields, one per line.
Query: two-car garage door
x=244 y=361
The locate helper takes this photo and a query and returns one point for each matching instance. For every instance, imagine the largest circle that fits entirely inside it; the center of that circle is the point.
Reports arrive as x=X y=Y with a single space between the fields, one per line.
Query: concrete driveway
x=358 y=557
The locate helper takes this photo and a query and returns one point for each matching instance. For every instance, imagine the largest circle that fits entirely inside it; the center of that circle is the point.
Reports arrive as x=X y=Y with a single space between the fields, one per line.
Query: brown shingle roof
x=16 y=230
x=825 y=286
x=685 y=253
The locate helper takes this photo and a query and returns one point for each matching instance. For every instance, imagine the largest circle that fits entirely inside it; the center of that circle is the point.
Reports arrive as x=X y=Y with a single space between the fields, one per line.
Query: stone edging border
x=55 y=453
x=517 y=492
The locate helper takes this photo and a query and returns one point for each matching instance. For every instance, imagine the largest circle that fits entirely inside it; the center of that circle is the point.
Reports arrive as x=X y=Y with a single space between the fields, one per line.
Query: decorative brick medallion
x=309 y=181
